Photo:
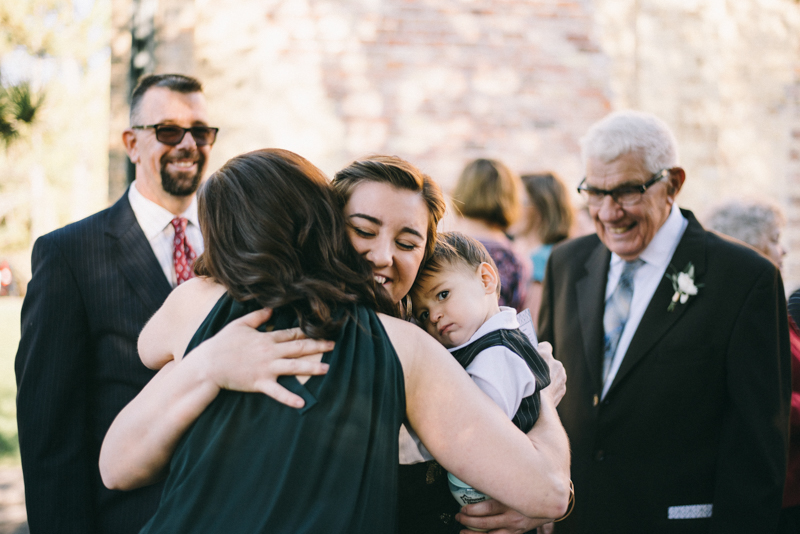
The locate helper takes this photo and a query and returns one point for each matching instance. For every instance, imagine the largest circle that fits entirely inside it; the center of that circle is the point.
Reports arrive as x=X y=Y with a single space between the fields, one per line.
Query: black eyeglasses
x=626 y=195
x=171 y=134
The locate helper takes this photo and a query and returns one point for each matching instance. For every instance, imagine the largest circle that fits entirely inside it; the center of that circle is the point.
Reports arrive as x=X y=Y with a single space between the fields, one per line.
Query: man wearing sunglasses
x=675 y=341
x=95 y=283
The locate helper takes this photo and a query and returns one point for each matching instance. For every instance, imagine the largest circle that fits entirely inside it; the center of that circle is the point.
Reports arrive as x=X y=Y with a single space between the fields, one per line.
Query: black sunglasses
x=171 y=134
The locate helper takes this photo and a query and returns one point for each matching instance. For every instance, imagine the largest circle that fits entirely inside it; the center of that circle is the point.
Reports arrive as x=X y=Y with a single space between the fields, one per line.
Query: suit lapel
x=591 y=290
x=134 y=255
x=657 y=321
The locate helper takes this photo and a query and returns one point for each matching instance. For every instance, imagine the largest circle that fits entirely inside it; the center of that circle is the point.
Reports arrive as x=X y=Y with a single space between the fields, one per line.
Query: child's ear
x=489 y=277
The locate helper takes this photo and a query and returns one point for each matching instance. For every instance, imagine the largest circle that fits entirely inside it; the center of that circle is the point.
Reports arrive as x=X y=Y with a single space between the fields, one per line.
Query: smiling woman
x=392 y=210
x=291 y=252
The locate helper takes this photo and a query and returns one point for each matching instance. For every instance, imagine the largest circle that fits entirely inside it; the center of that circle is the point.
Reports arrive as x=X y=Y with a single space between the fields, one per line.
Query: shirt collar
x=154 y=218
x=659 y=252
x=505 y=320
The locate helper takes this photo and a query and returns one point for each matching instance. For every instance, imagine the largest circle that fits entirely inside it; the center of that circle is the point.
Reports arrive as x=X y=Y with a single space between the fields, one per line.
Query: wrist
x=202 y=371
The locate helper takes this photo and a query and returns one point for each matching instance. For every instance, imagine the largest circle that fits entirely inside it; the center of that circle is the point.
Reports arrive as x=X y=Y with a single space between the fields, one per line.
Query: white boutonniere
x=683 y=284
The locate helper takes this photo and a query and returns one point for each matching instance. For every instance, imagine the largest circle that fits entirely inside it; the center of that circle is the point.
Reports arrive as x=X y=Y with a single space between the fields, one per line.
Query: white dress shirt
x=656 y=258
x=498 y=371
x=155 y=222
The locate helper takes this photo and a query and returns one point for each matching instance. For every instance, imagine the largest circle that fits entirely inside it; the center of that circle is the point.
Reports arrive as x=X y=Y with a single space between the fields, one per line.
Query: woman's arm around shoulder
x=472 y=438
x=138 y=446
x=167 y=334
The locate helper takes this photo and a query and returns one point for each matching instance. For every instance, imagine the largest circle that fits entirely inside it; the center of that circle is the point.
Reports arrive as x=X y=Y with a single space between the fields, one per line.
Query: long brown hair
x=553 y=215
x=275 y=234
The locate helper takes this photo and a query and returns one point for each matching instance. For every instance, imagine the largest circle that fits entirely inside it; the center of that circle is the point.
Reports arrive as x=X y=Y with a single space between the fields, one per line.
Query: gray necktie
x=618 y=307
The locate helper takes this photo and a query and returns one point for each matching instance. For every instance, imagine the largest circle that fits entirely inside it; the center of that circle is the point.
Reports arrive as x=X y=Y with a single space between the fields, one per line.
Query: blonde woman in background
x=547 y=219
x=487 y=200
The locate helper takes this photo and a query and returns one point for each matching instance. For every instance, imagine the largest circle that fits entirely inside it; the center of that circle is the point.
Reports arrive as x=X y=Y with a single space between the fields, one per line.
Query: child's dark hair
x=454 y=249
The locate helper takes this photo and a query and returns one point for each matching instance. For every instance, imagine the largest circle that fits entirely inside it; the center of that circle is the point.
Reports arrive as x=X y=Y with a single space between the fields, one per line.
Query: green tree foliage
x=53 y=160
x=19 y=109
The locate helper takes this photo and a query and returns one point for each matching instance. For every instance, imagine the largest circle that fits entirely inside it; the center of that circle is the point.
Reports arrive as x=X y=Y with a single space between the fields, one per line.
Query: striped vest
x=518 y=343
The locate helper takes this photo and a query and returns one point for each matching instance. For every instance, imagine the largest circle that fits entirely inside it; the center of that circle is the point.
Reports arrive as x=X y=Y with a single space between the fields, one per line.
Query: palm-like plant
x=20 y=107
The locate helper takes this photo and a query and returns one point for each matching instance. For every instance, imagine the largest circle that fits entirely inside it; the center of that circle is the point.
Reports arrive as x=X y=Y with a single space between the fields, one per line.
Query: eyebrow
x=367 y=217
x=435 y=289
x=174 y=122
x=370 y=218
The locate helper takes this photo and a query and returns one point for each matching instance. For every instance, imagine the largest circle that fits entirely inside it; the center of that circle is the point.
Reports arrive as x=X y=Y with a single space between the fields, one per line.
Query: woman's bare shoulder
x=168 y=332
x=400 y=329
x=198 y=288
x=408 y=339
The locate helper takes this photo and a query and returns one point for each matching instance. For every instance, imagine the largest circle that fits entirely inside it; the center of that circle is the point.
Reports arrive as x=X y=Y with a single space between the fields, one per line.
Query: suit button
x=599 y=455
x=595 y=400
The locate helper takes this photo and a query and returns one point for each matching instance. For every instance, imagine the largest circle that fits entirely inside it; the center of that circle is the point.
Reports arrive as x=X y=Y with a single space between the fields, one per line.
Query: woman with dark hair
x=389 y=212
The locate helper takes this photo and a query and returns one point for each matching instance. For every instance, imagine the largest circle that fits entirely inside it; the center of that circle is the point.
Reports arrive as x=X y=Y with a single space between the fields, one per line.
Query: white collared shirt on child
x=499 y=372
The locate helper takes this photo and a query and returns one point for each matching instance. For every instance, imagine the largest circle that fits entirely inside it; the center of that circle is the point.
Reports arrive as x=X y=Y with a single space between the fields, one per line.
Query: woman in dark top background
x=274 y=237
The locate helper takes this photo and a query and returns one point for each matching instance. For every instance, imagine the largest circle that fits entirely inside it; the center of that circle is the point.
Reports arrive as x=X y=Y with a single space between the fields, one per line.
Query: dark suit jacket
x=95 y=283
x=698 y=412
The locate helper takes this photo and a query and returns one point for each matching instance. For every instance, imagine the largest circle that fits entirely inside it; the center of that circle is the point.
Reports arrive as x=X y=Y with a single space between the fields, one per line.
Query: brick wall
x=438 y=82
x=441 y=82
x=792 y=238
x=722 y=74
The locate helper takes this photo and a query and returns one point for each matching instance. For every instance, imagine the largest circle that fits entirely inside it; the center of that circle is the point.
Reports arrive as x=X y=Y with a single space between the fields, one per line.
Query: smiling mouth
x=381 y=279
x=620 y=229
x=183 y=164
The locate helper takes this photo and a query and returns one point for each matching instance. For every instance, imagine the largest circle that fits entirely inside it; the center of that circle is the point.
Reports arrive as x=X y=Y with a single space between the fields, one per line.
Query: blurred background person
x=8 y=282
x=486 y=199
x=759 y=224
x=547 y=218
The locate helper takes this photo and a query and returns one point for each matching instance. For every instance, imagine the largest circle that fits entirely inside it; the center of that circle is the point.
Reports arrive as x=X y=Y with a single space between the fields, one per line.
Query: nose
x=380 y=253
x=609 y=209
x=435 y=316
x=187 y=143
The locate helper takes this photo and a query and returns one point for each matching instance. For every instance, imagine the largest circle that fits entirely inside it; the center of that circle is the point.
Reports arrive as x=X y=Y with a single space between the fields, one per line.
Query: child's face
x=452 y=304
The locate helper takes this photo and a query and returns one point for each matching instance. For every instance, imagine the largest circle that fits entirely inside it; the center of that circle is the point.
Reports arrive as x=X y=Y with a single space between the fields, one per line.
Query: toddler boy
x=455 y=300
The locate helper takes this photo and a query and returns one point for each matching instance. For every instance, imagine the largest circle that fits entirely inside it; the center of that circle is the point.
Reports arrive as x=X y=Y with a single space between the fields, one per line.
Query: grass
x=9 y=339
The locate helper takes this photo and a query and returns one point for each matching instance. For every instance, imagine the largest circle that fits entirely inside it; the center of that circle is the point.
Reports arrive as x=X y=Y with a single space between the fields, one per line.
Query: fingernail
x=325 y=367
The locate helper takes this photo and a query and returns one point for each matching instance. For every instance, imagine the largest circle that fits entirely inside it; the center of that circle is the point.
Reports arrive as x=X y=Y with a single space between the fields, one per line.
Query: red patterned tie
x=182 y=254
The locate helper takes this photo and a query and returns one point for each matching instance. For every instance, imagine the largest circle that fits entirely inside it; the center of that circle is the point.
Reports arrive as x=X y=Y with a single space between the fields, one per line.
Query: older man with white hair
x=676 y=345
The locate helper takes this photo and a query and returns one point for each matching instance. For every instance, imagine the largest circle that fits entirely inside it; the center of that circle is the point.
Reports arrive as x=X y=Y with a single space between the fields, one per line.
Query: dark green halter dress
x=252 y=465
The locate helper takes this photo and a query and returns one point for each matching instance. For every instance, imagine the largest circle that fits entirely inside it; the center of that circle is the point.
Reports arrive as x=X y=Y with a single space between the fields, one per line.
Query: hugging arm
x=140 y=442
x=472 y=438
x=495 y=516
